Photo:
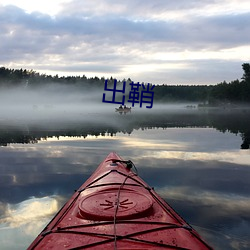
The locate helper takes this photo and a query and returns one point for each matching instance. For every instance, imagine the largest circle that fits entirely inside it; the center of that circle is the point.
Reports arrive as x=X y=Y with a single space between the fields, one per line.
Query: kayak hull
x=116 y=209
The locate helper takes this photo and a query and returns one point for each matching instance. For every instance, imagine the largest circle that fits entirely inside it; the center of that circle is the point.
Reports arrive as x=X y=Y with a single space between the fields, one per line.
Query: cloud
x=116 y=30
x=148 y=9
x=125 y=40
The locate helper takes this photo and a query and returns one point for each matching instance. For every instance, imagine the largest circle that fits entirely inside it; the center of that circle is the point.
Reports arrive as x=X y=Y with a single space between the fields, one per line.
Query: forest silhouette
x=224 y=93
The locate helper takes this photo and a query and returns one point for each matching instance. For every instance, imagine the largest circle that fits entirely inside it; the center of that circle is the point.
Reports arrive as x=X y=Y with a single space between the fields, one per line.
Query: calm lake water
x=197 y=160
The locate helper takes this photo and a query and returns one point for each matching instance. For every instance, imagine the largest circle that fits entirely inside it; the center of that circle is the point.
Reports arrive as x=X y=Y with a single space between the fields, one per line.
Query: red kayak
x=116 y=209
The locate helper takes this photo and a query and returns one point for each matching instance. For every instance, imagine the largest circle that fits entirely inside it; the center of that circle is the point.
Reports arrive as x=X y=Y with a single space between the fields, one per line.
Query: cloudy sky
x=160 y=41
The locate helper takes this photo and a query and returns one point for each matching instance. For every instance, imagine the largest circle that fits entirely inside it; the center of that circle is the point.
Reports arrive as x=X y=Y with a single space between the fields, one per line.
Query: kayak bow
x=116 y=209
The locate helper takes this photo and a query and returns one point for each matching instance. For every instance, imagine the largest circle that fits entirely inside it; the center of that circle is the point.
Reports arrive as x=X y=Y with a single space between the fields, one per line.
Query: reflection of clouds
x=22 y=222
x=185 y=139
x=228 y=239
x=172 y=143
x=228 y=203
x=156 y=139
x=222 y=219
x=234 y=156
x=29 y=212
x=2 y=209
x=147 y=144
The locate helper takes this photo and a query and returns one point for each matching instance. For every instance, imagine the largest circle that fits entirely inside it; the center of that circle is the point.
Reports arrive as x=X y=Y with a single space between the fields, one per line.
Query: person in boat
x=120 y=107
x=127 y=108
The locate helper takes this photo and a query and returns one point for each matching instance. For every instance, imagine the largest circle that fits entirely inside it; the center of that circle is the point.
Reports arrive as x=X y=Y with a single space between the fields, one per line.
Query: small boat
x=116 y=209
x=123 y=110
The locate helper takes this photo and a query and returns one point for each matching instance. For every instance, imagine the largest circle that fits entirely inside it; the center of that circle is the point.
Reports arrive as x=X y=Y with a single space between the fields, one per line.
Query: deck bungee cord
x=129 y=164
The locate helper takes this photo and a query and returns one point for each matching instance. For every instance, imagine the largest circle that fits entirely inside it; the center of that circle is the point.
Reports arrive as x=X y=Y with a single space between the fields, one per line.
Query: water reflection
x=200 y=171
x=111 y=123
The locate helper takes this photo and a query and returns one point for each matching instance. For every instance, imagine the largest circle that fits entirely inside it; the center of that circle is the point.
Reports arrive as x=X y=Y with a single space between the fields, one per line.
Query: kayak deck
x=116 y=209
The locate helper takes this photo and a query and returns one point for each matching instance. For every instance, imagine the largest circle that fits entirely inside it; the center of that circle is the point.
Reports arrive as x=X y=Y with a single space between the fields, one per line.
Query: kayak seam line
x=166 y=208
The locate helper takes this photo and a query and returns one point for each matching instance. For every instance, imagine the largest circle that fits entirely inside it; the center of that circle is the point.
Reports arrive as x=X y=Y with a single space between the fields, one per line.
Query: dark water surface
x=193 y=159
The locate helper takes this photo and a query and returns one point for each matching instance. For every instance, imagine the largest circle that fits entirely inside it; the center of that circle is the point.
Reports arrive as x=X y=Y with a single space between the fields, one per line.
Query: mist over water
x=62 y=103
x=47 y=100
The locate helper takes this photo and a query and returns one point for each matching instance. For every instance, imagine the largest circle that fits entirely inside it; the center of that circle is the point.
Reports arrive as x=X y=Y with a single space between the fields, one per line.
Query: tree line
x=236 y=91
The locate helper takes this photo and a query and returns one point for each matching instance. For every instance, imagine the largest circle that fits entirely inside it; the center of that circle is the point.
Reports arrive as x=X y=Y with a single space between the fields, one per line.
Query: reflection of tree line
x=237 y=123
